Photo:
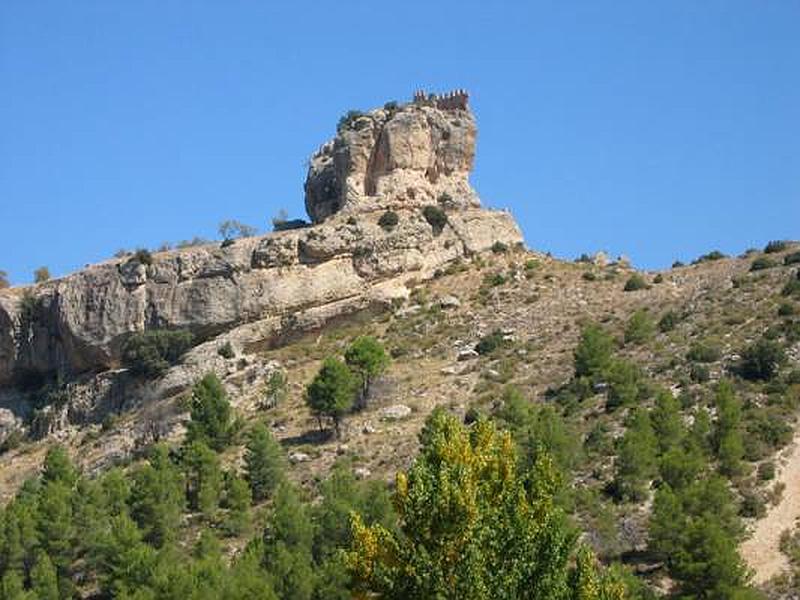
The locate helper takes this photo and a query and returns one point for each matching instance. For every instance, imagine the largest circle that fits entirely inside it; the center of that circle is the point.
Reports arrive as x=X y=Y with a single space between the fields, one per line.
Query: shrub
x=231 y=230
x=4 y=280
x=150 y=353
x=776 y=246
x=761 y=263
x=41 y=275
x=640 y=328
x=288 y=224
x=391 y=106
x=704 y=352
x=761 y=360
x=226 y=351
x=793 y=377
x=786 y=309
x=489 y=343
x=435 y=217
x=277 y=389
x=445 y=199
x=388 y=220
x=711 y=256
x=766 y=471
x=659 y=278
x=792 y=287
x=494 y=279
x=753 y=506
x=677 y=264
x=348 y=119
x=699 y=373
x=635 y=282
x=589 y=276
x=499 y=247
x=668 y=321
x=142 y=256
x=792 y=259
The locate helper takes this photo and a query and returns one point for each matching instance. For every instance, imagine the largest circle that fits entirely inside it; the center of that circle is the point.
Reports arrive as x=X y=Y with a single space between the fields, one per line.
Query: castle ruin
x=454 y=100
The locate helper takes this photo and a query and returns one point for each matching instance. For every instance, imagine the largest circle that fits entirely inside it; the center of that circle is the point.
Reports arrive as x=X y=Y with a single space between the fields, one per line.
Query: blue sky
x=660 y=130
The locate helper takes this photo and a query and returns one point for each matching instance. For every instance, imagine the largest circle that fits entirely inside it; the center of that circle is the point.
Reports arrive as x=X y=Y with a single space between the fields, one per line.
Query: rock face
x=400 y=158
x=397 y=156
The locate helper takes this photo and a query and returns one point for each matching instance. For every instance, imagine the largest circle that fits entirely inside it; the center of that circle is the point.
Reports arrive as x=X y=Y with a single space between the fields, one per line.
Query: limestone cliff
x=398 y=157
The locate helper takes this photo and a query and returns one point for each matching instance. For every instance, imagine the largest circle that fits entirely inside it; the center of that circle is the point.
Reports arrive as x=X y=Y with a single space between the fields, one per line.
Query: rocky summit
x=390 y=203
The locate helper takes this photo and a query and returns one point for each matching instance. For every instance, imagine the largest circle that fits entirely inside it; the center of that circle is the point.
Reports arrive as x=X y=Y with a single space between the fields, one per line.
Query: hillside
x=470 y=319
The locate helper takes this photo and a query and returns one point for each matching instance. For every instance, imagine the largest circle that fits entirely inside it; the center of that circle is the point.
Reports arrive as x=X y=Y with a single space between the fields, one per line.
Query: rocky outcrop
x=400 y=156
x=79 y=323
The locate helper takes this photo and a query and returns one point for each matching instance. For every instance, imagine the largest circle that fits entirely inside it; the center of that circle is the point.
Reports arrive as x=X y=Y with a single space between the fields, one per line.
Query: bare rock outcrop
x=397 y=156
x=400 y=158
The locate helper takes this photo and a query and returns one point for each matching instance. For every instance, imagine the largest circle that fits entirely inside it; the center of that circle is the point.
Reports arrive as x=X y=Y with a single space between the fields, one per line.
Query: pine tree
x=203 y=477
x=366 y=357
x=44 y=581
x=666 y=420
x=237 y=500
x=594 y=352
x=211 y=414
x=287 y=546
x=158 y=497
x=58 y=467
x=636 y=460
x=11 y=587
x=265 y=463
x=56 y=530
x=332 y=391
x=727 y=432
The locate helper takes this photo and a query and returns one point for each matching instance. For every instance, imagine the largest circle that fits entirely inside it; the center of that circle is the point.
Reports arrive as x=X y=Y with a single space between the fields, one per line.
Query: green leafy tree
x=594 y=352
x=211 y=414
x=368 y=359
x=203 y=477
x=470 y=528
x=265 y=463
x=332 y=391
x=158 y=497
x=636 y=458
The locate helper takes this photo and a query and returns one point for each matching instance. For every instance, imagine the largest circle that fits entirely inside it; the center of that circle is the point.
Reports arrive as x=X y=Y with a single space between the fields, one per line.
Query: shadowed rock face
x=411 y=156
x=401 y=159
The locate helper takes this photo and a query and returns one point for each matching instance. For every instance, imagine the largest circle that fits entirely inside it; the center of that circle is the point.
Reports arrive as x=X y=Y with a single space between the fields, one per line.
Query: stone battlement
x=454 y=100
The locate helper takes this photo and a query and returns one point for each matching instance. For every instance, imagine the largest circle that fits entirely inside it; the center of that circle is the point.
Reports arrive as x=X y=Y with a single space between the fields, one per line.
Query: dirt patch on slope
x=762 y=551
